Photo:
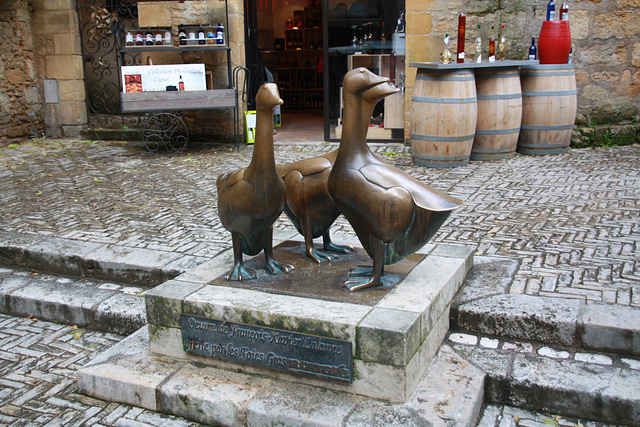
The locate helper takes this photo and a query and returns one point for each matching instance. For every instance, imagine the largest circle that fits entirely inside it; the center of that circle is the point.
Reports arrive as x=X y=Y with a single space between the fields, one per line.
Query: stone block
x=45 y=300
x=54 y=22
x=418 y=23
x=134 y=381
x=67 y=44
x=621 y=24
x=164 y=302
x=72 y=113
x=210 y=396
x=71 y=90
x=129 y=265
x=389 y=336
x=611 y=328
x=59 y=256
x=135 y=344
x=579 y=22
x=154 y=14
x=635 y=55
x=301 y=405
x=121 y=314
x=526 y=317
x=7 y=286
x=64 y=67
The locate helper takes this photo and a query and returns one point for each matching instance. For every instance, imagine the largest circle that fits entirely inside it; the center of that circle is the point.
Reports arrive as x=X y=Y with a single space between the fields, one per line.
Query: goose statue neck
x=263 y=160
x=353 y=143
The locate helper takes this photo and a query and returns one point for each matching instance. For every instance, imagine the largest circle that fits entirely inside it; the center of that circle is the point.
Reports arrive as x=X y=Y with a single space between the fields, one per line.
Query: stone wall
x=605 y=39
x=20 y=94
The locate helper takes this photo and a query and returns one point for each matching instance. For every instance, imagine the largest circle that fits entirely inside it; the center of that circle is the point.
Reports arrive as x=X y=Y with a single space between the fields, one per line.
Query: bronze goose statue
x=308 y=205
x=251 y=199
x=392 y=213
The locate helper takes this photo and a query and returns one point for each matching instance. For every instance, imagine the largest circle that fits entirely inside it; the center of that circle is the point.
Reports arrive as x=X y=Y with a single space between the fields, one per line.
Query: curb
x=483 y=307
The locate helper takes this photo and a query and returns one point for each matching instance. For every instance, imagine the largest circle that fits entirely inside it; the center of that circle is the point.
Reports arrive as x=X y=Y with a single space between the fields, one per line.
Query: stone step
x=602 y=387
x=104 y=261
x=450 y=393
x=105 y=306
x=483 y=306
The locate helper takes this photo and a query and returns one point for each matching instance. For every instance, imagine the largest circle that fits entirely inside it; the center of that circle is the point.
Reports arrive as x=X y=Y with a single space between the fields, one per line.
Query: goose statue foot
x=374 y=272
x=328 y=245
x=239 y=272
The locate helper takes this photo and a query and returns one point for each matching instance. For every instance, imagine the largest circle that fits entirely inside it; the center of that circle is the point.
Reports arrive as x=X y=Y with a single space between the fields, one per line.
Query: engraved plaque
x=294 y=352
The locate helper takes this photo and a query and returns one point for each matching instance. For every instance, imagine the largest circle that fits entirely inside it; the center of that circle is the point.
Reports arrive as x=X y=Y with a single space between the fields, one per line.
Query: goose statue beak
x=268 y=97
x=360 y=79
x=379 y=91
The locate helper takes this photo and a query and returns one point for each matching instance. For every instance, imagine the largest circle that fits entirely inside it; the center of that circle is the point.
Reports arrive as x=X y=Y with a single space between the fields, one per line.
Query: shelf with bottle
x=190 y=37
x=147 y=37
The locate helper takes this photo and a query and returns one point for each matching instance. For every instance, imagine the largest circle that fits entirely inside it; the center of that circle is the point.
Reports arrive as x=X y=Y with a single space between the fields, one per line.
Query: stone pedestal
x=394 y=331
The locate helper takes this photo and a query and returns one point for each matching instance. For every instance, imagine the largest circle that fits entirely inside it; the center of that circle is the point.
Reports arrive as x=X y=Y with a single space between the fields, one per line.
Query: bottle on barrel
x=532 y=49
x=551 y=11
x=492 y=47
x=445 y=56
x=564 y=12
x=462 y=22
x=502 y=46
x=478 y=57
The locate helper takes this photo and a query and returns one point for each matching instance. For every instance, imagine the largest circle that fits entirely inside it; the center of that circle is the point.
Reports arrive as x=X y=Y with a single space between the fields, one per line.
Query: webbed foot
x=275 y=267
x=341 y=249
x=318 y=256
x=356 y=285
x=239 y=273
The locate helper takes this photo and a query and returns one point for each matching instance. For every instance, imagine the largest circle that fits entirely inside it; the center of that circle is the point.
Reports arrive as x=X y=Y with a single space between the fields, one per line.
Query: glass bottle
x=148 y=38
x=532 y=49
x=139 y=39
x=478 y=57
x=180 y=84
x=445 y=56
x=129 y=39
x=502 y=46
x=551 y=11
x=211 y=38
x=462 y=22
x=158 y=38
x=564 y=12
x=201 y=37
x=220 y=34
x=182 y=37
x=167 y=38
x=492 y=47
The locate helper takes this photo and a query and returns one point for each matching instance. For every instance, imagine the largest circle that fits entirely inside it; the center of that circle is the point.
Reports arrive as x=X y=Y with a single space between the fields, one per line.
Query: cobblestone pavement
x=572 y=220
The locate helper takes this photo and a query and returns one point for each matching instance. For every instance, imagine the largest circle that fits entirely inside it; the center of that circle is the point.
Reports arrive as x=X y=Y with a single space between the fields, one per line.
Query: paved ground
x=572 y=222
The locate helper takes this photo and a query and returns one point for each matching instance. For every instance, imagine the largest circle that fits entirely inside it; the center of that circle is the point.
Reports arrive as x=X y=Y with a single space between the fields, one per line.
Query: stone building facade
x=41 y=44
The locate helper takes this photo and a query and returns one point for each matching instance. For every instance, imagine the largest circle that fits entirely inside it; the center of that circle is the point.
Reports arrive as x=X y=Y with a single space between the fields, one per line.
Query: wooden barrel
x=549 y=106
x=554 y=42
x=499 y=114
x=443 y=117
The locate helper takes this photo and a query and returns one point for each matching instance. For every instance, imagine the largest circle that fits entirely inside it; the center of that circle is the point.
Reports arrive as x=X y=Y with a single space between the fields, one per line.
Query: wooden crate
x=178 y=100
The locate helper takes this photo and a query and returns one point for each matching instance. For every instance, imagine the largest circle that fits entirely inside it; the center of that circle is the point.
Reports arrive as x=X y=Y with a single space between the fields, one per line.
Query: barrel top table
x=468 y=65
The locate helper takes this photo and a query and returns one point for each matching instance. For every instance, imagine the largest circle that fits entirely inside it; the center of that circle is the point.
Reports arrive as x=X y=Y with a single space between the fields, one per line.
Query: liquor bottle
x=220 y=34
x=570 y=60
x=478 y=57
x=167 y=38
x=148 y=38
x=201 y=38
x=211 y=38
x=129 y=39
x=564 y=12
x=158 y=38
x=492 y=47
x=445 y=56
x=139 y=39
x=182 y=37
x=502 y=46
x=180 y=84
x=551 y=11
x=532 y=49
x=462 y=22
x=192 y=37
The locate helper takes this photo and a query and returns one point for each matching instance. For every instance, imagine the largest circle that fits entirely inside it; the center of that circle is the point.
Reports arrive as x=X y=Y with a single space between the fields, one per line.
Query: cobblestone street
x=572 y=223
x=572 y=220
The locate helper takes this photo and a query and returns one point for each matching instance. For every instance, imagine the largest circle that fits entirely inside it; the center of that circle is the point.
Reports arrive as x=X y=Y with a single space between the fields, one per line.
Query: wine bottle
x=148 y=38
x=180 y=84
x=129 y=39
x=551 y=11
x=478 y=57
x=158 y=38
x=220 y=34
x=182 y=37
x=139 y=39
x=492 y=47
x=564 y=12
x=532 y=49
x=502 y=46
x=201 y=37
x=462 y=22
x=445 y=56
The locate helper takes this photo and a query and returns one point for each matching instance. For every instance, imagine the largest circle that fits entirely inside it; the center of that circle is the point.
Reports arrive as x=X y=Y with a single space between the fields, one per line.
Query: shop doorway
x=306 y=47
